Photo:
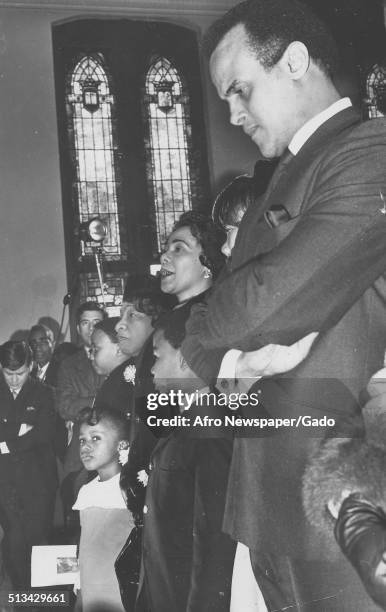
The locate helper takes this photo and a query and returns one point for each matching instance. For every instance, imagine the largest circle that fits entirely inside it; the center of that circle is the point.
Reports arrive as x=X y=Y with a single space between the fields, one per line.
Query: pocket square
x=277 y=215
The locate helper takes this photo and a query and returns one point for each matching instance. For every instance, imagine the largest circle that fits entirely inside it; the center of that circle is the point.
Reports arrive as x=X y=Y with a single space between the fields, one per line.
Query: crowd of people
x=262 y=487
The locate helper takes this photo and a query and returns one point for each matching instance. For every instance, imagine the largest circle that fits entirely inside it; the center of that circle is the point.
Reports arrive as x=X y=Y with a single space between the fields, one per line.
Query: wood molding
x=125 y=7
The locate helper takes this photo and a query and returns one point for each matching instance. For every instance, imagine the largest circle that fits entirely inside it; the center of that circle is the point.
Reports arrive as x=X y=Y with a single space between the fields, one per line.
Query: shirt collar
x=41 y=370
x=306 y=131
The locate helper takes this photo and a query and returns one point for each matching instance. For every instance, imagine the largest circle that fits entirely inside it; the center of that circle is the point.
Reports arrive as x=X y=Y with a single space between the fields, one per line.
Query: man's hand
x=273 y=358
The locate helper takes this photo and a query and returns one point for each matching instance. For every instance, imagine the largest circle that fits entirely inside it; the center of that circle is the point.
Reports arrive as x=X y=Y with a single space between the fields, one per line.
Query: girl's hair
x=108 y=327
x=208 y=234
x=118 y=420
x=15 y=354
x=232 y=202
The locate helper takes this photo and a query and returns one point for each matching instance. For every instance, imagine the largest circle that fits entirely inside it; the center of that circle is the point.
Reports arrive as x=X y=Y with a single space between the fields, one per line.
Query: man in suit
x=77 y=380
x=41 y=340
x=311 y=259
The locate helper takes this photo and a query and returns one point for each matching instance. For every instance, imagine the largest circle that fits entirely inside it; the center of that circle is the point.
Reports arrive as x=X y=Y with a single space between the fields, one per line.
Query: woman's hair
x=118 y=420
x=15 y=354
x=208 y=234
x=108 y=327
x=144 y=292
x=232 y=201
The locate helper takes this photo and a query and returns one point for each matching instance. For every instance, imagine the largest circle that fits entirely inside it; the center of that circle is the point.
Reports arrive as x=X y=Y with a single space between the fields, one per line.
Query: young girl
x=105 y=520
x=27 y=462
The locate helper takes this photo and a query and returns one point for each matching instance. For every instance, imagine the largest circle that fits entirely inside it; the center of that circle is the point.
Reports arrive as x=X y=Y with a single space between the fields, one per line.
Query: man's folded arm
x=306 y=283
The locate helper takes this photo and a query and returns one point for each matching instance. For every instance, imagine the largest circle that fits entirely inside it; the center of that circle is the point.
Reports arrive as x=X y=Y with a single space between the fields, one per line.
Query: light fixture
x=94 y=230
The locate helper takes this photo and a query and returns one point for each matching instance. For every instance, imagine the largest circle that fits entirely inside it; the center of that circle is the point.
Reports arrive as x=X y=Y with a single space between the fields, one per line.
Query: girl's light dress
x=105 y=525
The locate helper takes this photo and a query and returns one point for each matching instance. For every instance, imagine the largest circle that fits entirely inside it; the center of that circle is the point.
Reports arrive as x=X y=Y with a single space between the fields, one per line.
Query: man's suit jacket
x=30 y=466
x=77 y=386
x=319 y=270
x=187 y=560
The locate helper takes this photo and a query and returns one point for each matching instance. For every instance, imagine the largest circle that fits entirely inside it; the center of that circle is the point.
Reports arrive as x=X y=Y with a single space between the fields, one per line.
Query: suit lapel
x=289 y=172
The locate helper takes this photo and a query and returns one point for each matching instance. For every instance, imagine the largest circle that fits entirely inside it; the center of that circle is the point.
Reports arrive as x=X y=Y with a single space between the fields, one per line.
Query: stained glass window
x=90 y=104
x=167 y=110
x=376 y=91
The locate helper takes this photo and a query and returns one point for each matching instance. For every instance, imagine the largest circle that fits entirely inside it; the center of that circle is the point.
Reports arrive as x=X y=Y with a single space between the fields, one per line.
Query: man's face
x=266 y=104
x=105 y=354
x=15 y=379
x=87 y=322
x=41 y=346
x=168 y=364
x=133 y=329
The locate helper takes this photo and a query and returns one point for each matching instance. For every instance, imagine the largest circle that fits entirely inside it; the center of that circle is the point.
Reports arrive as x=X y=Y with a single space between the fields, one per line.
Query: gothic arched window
x=167 y=113
x=90 y=105
x=132 y=144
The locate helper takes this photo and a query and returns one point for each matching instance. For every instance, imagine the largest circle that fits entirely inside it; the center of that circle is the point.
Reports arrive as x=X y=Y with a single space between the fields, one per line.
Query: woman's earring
x=207 y=273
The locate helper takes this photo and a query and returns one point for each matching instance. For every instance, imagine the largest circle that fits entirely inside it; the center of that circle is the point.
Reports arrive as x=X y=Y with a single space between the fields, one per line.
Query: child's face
x=231 y=232
x=99 y=448
x=133 y=329
x=168 y=364
x=15 y=379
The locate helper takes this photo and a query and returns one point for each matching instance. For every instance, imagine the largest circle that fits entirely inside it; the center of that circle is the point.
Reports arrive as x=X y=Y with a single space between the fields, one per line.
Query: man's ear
x=296 y=60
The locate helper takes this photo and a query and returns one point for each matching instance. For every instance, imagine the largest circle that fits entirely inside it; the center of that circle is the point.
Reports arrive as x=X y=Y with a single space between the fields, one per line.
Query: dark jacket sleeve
x=73 y=391
x=213 y=551
x=335 y=251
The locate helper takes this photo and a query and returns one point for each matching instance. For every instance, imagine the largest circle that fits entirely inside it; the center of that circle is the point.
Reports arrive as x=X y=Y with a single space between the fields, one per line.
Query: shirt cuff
x=228 y=364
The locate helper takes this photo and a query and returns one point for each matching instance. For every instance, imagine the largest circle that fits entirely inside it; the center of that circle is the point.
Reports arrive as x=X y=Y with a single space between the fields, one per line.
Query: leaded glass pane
x=167 y=148
x=90 y=105
x=376 y=91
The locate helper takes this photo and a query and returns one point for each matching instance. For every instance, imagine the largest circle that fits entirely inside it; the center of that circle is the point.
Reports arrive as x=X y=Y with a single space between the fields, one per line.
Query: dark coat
x=319 y=269
x=116 y=392
x=187 y=559
x=28 y=476
x=77 y=386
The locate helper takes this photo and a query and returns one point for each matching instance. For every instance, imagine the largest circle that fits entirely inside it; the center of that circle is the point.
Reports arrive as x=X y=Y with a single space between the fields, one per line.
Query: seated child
x=105 y=520
x=187 y=560
x=345 y=493
x=28 y=477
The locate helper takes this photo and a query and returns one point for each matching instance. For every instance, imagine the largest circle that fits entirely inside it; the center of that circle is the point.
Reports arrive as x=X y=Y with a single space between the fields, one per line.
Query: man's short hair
x=42 y=328
x=89 y=306
x=14 y=354
x=144 y=292
x=271 y=25
x=173 y=325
